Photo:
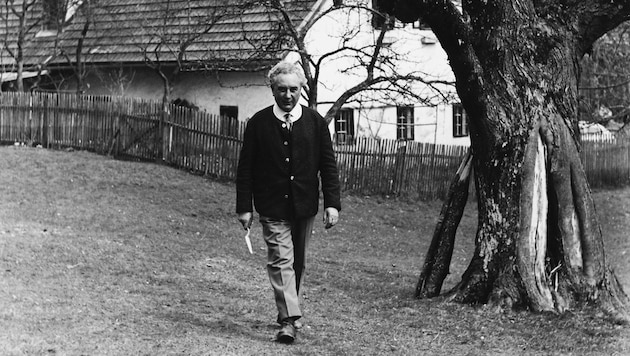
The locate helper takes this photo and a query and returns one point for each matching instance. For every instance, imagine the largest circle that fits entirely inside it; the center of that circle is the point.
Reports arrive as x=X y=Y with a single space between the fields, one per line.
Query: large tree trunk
x=538 y=243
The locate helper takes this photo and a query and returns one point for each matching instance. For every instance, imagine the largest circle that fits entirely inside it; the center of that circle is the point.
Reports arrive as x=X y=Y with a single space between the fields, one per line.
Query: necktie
x=287 y=120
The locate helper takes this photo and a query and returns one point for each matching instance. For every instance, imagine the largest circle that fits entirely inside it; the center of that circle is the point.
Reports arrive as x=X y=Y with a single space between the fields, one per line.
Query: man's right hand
x=245 y=219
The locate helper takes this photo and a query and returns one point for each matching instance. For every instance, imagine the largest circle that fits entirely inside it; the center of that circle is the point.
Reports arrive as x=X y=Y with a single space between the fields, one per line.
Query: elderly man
x=286 y=151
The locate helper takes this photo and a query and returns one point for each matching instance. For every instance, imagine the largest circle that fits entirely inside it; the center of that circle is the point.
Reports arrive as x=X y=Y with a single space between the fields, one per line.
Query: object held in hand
x=249 y=242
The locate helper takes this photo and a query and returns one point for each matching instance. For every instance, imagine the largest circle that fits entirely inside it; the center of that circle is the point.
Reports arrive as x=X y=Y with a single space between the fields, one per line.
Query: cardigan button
x=287 y=159
x=292 y=177
x=286 y=196
x=286 y=143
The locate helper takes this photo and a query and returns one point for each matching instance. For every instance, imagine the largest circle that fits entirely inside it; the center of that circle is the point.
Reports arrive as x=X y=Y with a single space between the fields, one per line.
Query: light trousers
x=287 y=241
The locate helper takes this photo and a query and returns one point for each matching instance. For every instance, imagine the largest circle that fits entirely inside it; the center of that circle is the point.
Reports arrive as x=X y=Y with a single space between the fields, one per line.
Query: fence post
x=399 y=170
x=210 y=145
x=44 y=133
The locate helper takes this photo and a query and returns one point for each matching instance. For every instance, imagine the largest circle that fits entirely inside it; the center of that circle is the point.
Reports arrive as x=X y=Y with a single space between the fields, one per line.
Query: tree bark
x=438 y=258
x=538 y=243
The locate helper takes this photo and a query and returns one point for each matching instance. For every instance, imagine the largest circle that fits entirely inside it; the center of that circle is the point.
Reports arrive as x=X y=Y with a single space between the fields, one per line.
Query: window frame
x=344 y=126
x=405 y=123
x=460 y=121
x=228 y=116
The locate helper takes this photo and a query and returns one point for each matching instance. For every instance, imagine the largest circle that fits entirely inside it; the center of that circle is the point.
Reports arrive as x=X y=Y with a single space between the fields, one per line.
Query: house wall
x=432 y=124
x=248 y=91
x=418 y=52
x=208 y=91
x=375 y=116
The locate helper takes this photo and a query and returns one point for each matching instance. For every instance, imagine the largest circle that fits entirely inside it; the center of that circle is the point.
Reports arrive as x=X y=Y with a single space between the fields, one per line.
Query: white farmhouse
x=131 y=46
x=435 y=116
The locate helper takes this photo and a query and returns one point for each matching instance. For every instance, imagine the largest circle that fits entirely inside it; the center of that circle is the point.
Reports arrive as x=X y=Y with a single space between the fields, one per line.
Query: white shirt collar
x=296 y=113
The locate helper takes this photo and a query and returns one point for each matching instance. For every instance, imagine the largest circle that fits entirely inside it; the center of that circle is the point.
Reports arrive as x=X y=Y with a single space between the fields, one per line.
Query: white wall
x=419 y=54
x=208 y=91
x=374 y=117
x=249 y=91
x=432 y=124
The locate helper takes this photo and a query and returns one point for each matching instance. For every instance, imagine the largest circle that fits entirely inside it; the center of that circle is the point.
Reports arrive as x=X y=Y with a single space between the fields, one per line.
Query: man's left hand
x=331 y=217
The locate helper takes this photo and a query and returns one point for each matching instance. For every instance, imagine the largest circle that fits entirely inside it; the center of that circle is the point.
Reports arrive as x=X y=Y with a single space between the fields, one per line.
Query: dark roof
x=222 y=33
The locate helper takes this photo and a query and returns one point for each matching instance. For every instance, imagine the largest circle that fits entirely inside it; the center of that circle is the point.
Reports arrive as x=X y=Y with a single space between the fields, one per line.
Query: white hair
x=285 y=67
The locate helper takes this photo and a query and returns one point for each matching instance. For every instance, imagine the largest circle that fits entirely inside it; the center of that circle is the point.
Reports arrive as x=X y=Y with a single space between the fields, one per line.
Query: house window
x=378 y=18
x=404 y=123
x=228 y=111
x=460 y=121
x=344 y=127
x=229 y=120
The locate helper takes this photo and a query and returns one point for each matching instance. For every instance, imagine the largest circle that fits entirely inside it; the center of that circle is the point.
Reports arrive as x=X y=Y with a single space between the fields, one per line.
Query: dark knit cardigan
x=279 y=169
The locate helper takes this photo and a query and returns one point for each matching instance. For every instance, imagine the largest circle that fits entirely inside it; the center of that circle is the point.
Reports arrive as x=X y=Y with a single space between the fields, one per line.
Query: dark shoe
x=287 y=332
x=296 y=322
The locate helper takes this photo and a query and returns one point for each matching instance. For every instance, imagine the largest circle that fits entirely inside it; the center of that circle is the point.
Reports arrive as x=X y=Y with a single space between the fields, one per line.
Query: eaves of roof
x=11 y=76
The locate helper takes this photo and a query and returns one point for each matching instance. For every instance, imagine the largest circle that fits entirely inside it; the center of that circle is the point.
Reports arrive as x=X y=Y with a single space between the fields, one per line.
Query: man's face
x=286 y=90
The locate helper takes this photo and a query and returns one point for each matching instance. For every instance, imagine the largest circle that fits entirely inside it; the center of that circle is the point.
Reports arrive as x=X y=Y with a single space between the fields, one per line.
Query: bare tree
x=24 y=21
x=374 y=64
x=25 y=17
x=165 y=39
x=538 y=243
x=74 y=53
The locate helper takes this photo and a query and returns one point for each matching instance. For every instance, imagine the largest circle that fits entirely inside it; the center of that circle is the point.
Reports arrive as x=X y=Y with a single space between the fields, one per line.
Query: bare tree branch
x=596 y=17
x=372 y=64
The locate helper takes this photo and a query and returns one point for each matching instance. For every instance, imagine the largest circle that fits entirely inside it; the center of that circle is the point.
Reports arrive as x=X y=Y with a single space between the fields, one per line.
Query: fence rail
x=393 y=167
x=606 y=161
x=132 y=128
x=124 y=128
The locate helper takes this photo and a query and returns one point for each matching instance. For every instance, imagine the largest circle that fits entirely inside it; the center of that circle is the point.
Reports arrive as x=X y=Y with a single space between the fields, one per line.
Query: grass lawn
x=104 y=257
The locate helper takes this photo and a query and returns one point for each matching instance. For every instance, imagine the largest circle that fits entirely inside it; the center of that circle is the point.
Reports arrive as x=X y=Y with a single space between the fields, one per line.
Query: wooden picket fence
x=126 y=128
x=131 y=128
x=398 y=168
x=606 y=160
